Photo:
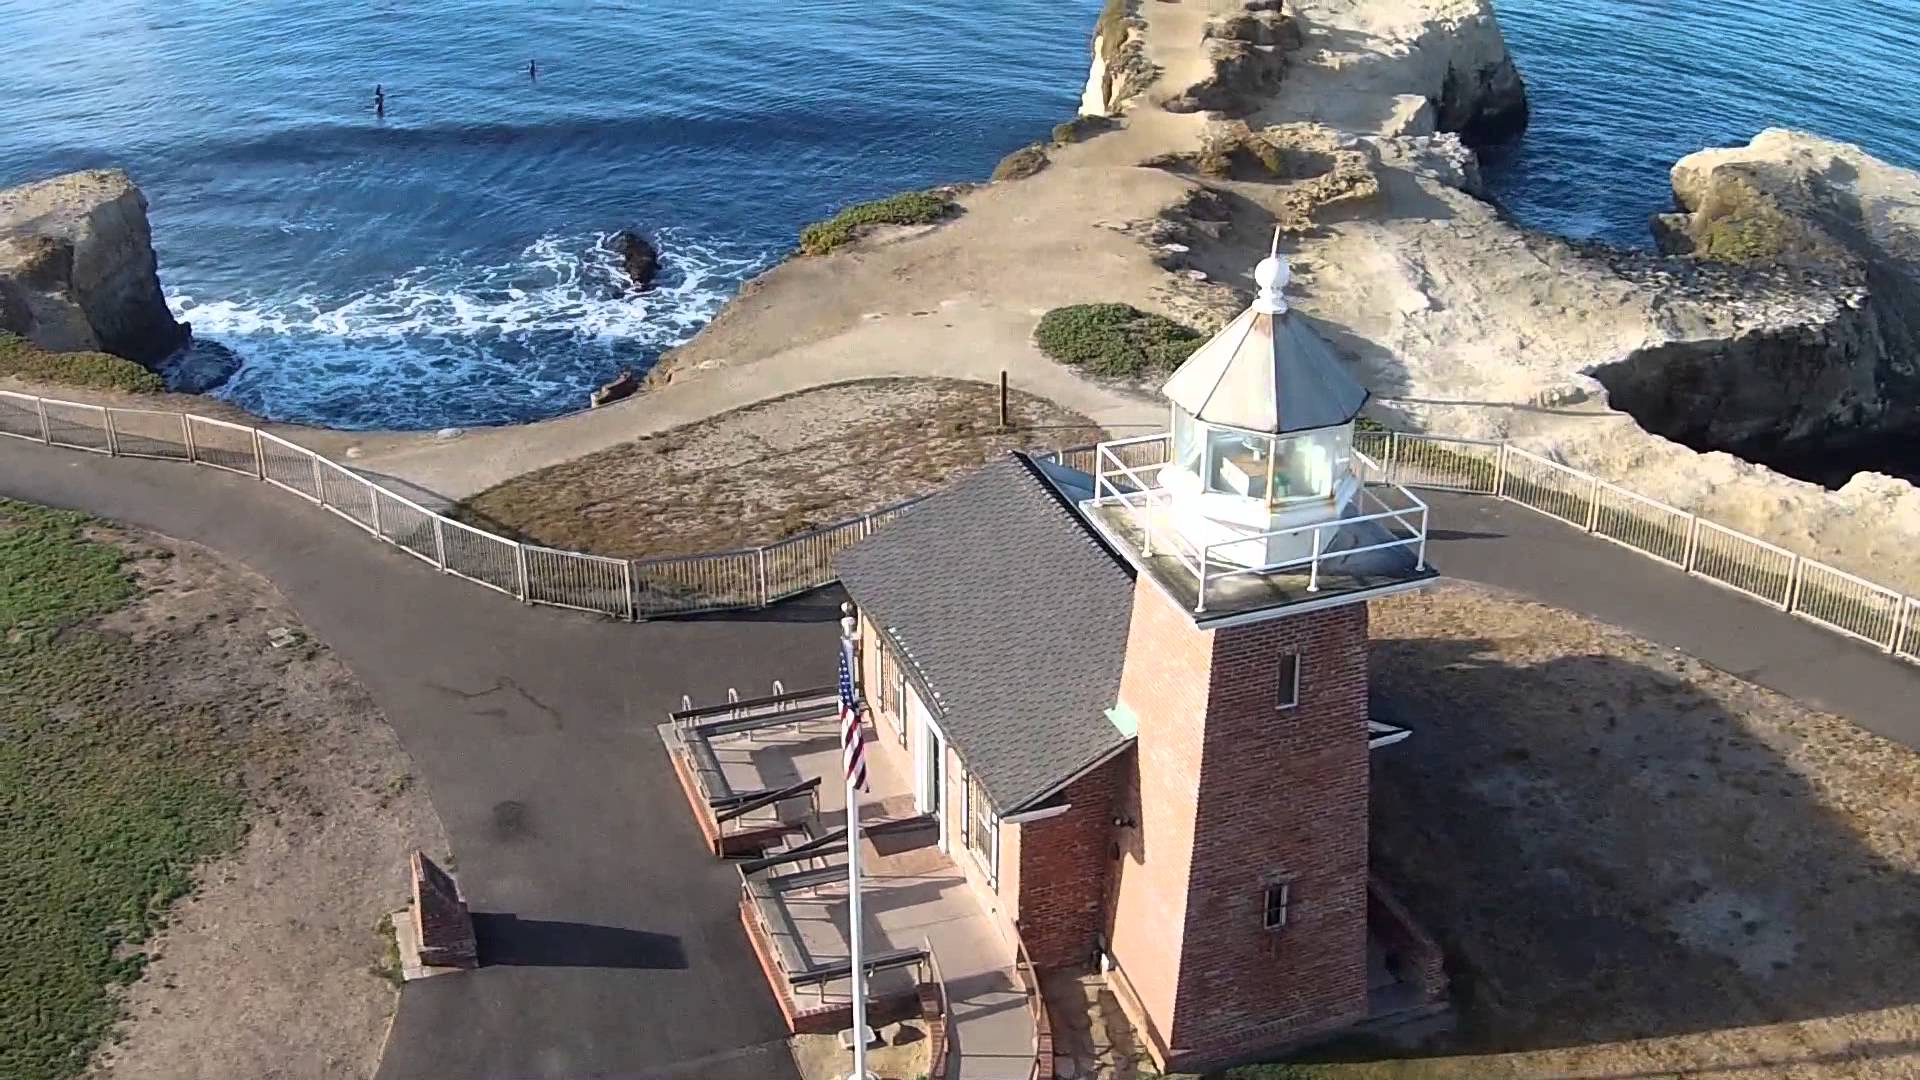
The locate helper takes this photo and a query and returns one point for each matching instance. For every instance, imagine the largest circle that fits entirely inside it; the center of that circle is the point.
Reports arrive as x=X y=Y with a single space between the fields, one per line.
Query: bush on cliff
x=907 y=208
x=1022 y=163
x=1115 y=339
x=88 y=370
x=1081 y=128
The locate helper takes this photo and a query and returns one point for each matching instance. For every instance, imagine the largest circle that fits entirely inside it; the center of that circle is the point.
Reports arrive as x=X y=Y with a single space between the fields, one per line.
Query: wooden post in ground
x=1003 y=399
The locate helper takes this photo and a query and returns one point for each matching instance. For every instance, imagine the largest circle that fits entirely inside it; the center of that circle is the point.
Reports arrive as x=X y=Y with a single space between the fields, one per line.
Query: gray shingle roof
x=1012 y=617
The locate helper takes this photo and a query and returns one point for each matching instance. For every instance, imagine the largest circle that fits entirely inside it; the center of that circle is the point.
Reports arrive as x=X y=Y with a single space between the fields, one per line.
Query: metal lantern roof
x=1267 y=370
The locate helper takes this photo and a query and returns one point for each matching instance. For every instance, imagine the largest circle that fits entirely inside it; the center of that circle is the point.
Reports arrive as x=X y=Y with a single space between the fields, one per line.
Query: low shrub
x=1080 y=128
x=1115 y=339
x=91 y=370
x=906 y=208
x=1022 y=163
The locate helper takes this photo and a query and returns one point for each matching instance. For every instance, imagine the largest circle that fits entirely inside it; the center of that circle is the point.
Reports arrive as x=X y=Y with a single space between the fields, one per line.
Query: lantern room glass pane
x=1187 y=443
x=1238 y=462
x=1310 y=465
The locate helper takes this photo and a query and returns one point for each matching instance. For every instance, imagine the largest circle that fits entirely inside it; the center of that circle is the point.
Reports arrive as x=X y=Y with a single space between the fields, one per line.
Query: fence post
x=113 y=438
x=439 y=543
x=626 y=589
x=319 y=481
x=1693 y=543
x=373 y=503
x=1593 y=503
x=1793 y=585
x=186 y=437
x=1393 y=457
x=259 y=456
x=1500 y=472
x=520 y=565
x=46 y=429
x=760 y=570
x=1902 y=608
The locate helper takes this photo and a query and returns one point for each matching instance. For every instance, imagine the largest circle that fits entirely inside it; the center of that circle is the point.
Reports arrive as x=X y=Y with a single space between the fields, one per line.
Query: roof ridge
x=1039 y=479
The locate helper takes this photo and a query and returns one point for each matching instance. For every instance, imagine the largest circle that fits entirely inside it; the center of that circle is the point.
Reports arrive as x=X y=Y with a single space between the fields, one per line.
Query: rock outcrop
x=77 y=268
x=1843 y=224
x=638 y=257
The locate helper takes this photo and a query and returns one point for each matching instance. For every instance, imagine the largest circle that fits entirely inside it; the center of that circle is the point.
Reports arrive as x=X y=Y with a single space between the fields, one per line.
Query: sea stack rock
x=1482 y=96
x=1790 y=209
x=638 y=256
x=77 y=268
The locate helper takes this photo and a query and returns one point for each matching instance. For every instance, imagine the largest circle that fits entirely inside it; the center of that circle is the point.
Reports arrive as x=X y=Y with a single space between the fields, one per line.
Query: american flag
x=852 y=752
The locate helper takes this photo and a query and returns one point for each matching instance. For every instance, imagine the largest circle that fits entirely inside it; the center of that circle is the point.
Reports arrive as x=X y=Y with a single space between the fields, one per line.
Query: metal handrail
x=424 y=537
x=1203 y=557
x=1036 y=1006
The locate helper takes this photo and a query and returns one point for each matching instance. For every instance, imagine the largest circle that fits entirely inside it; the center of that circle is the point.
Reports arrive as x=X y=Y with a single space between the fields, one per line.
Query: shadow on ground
x=511 y=941
x=1611 y=852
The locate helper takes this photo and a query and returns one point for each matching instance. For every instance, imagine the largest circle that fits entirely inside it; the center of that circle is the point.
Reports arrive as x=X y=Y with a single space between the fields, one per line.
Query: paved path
x=534 y=730
x=1499 y=543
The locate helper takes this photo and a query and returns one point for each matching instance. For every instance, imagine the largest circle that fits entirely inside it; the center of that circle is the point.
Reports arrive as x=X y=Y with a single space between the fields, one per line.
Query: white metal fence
x=1808 y=588
x=755 y=577
x=622 y=588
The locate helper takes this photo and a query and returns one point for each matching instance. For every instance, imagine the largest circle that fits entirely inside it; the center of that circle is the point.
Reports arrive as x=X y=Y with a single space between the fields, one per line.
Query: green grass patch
x=1115 y=339
x=907 y=208
x=89 y=370
x=105 y=806
x=1747 y=238
x=1111 y=27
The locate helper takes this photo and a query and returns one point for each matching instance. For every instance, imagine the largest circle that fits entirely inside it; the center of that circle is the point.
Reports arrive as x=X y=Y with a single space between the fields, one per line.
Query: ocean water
x=445 y=265
x=1621 y=89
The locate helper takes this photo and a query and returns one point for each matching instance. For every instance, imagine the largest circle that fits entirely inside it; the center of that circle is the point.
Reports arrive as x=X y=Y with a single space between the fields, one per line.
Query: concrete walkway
x=534 y=730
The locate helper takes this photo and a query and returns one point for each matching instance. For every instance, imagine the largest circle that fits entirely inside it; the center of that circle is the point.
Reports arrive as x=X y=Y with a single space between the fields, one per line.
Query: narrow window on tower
x=1277 y=896
x=1289 y=681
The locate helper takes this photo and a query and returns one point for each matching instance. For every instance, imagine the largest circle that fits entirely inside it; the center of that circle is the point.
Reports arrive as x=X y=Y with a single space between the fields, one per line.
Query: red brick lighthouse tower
x=1237 y=909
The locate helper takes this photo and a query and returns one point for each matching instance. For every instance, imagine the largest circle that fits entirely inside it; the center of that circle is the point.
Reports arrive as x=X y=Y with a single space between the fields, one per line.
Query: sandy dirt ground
x=270 y=969
x=1640 y=866
x=902 y=1054
x=773 y=470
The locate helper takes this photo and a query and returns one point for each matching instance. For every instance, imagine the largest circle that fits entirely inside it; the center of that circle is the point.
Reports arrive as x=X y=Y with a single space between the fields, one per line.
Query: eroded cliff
x=78 y=271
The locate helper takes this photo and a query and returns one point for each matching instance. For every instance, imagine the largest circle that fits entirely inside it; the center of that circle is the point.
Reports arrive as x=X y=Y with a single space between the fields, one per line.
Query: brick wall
x=1168 y=667
x=1063 y=871
x=1420 y=958
x=1281 y=792
x=1233 y=791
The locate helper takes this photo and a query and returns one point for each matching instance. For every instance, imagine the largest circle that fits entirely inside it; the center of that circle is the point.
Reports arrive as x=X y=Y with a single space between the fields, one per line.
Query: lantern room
x=1262 y=434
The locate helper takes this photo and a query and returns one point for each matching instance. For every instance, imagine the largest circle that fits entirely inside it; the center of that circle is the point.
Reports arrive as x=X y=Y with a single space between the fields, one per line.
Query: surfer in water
x=379 y=101
x=533 y=71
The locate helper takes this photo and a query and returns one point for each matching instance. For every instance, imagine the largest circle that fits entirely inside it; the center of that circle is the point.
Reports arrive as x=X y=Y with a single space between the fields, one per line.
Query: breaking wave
x=461 y=345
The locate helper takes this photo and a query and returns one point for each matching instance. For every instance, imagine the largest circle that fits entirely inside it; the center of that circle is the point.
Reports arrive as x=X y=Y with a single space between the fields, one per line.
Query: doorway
x=929 y=763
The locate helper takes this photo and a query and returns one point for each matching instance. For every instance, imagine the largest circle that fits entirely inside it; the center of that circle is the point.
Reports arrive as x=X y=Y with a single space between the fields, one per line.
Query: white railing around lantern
x=1823 y=595
x=1141 y=496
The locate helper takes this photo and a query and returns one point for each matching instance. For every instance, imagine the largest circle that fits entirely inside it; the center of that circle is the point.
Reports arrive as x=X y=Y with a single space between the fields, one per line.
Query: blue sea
x=446 y=264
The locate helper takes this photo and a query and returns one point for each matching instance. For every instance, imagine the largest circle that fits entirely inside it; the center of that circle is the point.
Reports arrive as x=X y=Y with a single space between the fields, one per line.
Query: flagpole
x=854 y=920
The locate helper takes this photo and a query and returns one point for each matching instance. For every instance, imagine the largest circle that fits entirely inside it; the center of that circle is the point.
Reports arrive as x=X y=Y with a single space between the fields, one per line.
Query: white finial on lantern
x=1272 y=276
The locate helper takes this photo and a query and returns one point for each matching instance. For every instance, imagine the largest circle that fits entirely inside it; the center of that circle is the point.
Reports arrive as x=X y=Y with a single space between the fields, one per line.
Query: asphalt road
x=534 y=730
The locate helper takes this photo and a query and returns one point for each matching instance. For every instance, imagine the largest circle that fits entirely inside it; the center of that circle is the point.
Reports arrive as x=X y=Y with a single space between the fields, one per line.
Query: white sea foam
x=477 y=344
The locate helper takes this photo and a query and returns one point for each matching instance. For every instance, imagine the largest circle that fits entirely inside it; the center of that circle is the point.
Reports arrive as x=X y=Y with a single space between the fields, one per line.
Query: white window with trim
x=1287 y=681
x=983 y=828
x=1276 y=897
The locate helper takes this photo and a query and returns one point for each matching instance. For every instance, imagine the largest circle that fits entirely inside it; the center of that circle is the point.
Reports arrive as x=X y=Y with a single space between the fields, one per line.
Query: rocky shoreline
x=1780 y=316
